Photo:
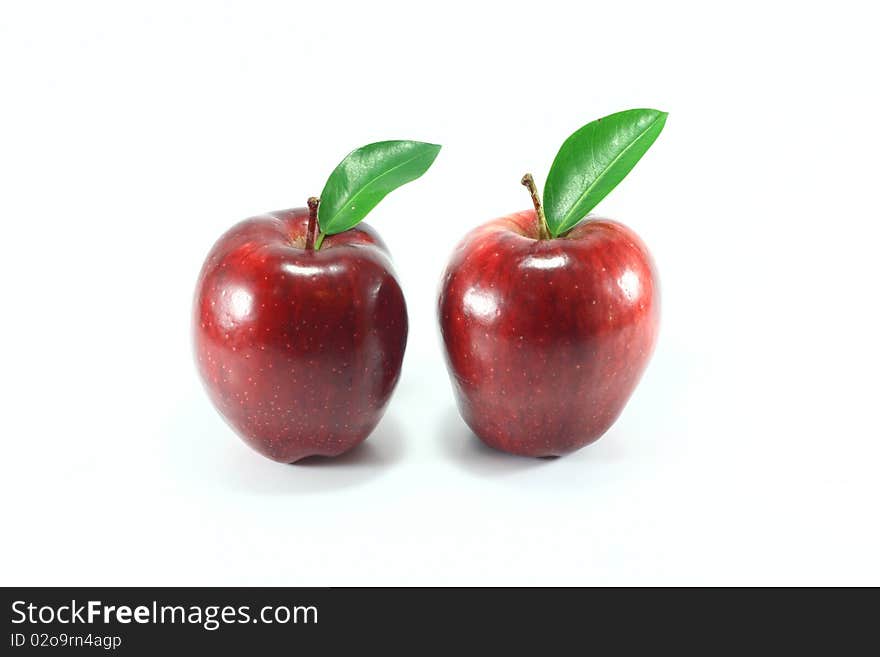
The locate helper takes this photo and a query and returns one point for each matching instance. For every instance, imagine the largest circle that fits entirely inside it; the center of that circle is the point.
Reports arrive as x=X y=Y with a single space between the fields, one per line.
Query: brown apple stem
x=313 y=223
x=529 y=183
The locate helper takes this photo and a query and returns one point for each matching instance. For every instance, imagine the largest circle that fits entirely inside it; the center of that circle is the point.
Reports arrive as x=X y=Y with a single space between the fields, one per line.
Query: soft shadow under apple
x=203 y=451
x=470 y=453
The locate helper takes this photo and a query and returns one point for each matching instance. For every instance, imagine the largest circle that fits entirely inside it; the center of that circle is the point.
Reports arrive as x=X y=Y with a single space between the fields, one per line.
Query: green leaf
x=593 y=161
x=365 y=177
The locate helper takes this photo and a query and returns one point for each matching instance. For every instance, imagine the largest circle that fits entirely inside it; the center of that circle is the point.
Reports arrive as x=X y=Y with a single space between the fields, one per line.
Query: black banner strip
x=148 y=621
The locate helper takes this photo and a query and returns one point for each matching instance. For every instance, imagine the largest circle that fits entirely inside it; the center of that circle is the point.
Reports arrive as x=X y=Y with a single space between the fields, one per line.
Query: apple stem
x=529 y=183
x=313 y=225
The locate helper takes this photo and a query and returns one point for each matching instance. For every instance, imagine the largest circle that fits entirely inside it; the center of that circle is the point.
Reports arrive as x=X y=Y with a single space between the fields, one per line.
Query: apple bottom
x=288 y=445
x=570 y=401
x=298 y=418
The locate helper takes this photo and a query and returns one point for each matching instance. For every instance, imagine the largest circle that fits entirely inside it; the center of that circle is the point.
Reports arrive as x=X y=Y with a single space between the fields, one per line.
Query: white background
x=133 y=134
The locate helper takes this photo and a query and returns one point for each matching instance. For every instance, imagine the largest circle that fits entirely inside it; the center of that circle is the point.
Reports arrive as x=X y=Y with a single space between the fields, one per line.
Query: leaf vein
x=567 y=218
x=369 y=183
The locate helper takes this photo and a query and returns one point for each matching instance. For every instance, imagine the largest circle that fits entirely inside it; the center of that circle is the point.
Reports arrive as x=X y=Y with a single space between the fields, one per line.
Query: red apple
x=547 y=338
x=299 y=348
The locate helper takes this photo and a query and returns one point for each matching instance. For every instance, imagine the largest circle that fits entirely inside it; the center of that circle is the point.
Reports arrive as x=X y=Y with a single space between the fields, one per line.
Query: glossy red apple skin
x=546 y=339
x=299 y=350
